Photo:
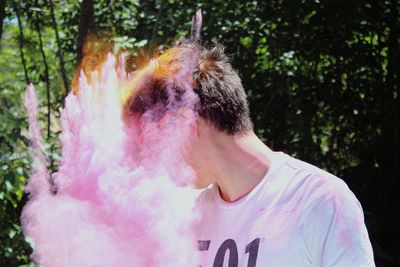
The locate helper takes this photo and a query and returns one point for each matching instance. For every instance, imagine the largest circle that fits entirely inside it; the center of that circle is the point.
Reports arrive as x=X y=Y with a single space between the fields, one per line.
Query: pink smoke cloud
x=120 y=199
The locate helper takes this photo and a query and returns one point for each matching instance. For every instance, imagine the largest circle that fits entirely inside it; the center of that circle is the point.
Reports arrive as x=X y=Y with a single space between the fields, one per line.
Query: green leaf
x=246 y=41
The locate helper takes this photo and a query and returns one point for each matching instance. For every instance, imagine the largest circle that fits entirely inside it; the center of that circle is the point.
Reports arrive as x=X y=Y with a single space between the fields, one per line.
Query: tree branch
x=46 y=71
x=21 y=41
x=157 y=22
x=2 y=16
x=59 y=52
x=85 y=24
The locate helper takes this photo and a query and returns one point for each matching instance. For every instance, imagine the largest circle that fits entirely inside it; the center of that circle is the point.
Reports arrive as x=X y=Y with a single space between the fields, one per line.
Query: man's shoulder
x=306 y=174
x=331 y=217
x=322 y=193
x=304 y=182
x=305 y=168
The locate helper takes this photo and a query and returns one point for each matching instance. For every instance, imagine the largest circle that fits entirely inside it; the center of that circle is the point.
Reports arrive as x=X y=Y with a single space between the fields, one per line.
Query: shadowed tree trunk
x=46 y=69
x=47 y=80
x=85 y=24
x=21 y=41
x=157 y=22
x=59 y=52
x=2 y=16
x=143 y=32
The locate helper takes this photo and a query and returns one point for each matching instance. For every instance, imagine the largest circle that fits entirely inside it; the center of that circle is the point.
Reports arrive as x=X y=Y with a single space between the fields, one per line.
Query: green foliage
x=322 y=79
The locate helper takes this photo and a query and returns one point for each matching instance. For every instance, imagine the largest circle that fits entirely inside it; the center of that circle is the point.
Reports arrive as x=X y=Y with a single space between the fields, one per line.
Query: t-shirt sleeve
x=333 y=227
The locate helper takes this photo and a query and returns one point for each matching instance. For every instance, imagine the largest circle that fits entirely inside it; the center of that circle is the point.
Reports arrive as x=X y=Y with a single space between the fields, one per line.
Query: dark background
x=322 y=79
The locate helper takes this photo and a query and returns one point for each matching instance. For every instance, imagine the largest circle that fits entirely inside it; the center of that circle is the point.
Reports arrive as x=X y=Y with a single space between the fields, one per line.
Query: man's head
x=221 y=98
x=220 y=101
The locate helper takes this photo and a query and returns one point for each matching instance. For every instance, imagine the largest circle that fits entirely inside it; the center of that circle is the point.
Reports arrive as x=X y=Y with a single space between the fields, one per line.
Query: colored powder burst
x=120 y=199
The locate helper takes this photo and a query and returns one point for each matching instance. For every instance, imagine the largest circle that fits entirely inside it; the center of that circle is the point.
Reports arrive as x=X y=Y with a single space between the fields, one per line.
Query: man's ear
x=196 y=128
x=204 y=129
x=190 y=116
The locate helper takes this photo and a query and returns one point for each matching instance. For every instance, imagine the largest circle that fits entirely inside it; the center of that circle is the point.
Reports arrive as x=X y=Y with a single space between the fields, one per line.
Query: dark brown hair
x=222 y=100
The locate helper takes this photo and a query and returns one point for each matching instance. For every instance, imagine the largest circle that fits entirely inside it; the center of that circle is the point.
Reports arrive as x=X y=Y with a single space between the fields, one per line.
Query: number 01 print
x=230 y=244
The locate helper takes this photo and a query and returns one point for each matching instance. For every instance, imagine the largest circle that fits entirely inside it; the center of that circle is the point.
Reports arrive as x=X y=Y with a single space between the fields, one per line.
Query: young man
x=263 y=208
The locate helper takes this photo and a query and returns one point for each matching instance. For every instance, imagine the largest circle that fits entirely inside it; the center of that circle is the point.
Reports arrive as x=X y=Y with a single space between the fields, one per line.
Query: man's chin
x=200 y=185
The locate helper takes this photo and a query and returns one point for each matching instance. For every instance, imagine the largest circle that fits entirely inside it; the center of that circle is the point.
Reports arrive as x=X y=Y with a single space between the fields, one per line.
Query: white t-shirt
x=298 y=215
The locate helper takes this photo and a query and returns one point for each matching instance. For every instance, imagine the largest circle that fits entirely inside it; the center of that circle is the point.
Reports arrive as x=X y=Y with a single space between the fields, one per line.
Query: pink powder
x=119 y=199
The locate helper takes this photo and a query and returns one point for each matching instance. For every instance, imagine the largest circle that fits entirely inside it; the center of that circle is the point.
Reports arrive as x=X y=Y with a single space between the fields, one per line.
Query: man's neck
x=240 y=163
